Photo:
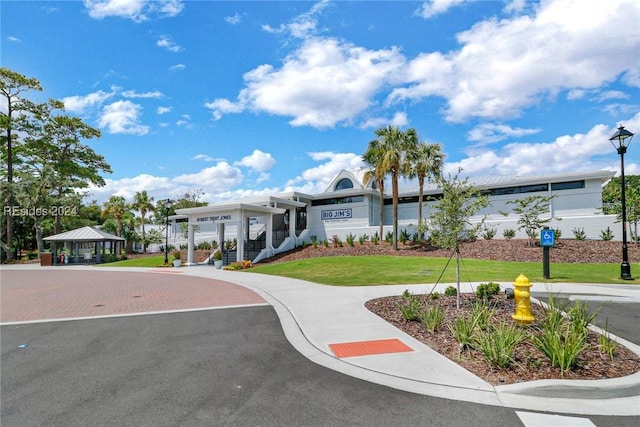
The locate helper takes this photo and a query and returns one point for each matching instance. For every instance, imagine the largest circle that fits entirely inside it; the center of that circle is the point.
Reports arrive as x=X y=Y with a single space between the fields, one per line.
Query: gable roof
x=84 y=234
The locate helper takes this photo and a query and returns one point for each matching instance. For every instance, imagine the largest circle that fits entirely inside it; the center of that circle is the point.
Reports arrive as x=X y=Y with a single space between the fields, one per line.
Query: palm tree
x=426 y=164
x=116 y=207
x=373 y=158
x=143 y=203
x=395 y=147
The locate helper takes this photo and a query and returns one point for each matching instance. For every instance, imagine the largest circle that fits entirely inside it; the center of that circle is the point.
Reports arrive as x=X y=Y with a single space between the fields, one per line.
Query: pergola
x=83 y=245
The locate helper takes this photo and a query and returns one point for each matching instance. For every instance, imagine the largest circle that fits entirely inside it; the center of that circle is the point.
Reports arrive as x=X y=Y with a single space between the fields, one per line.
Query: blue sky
x=240 y=98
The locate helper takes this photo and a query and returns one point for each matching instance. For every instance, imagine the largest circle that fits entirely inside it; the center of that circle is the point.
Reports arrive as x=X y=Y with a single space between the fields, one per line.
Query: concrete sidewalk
x=316 y=316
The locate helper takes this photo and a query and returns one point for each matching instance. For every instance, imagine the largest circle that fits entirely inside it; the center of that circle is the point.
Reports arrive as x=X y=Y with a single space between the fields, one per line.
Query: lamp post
x=620 y=138
x=167 y=206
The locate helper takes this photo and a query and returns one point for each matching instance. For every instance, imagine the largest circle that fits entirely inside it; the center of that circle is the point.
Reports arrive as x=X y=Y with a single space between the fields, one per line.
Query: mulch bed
x=529 y=363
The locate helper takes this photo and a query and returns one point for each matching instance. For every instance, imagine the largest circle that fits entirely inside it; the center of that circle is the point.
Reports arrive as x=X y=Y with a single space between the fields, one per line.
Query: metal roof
x=84 y=234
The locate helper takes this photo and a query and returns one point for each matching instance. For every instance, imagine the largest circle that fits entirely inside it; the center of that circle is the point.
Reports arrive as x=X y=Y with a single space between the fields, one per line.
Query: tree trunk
x=381 y=212
x=394 y=188
x=38 y=229
x=458 y=278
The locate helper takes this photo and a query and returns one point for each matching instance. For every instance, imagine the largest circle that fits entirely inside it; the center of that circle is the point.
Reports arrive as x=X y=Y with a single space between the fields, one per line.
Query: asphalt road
x=230 y=367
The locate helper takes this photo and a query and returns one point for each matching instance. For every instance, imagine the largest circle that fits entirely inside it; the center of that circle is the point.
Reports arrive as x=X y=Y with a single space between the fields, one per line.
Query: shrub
x=184 y=247
x=239 y=265
x=606 y=344
x=433 y=317
x=204 y=246
x=363 y=239
x=404 y=236
x=350 y=239
x=509 y=234
x=498 y=344
x=388 y=237
x=562 y=346
x=375 y=239
x=489 y=233
x=482 y=314
x=562 y=339
x=607 y=234
x=217 y=255
x=462 y=329
x=411 y=309
x=451 y=291
x=176 y=254
x=558 y=233
x=314 y=241
x=579 y=233
x=487 y=290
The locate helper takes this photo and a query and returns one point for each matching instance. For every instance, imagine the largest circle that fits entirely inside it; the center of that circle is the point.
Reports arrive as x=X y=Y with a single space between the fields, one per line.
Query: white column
x=269 y=232
x=240 y=238
x=190 y=245
x=292 y=222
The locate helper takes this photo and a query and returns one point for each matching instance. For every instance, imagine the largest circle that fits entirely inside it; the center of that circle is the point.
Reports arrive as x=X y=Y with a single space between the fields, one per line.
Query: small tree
x=530 y=209
x=450 y=223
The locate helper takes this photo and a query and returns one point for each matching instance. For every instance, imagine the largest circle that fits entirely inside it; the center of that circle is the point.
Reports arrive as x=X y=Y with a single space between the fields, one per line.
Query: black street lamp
x=167 y=206
x=620 y=138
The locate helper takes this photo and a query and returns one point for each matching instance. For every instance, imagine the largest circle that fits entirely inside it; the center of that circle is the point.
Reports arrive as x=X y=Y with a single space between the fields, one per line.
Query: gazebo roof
x=84 y=234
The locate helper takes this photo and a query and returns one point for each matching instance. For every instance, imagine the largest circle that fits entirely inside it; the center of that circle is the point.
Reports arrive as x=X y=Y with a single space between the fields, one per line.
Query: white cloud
x=122 y=117
x=432 y=8
x=13 y=39
x=169 y=8
x=505 y=66
x=165 y=42
x=303 y=25
x=133 y=94
x=581 y=151
x=222 y=176
x=233 y=20
x=135 y=10
x=612 y=94
x=317 y=179
x=164 y=110
x=79 y=104
x=222 y=106
x=203 y=157
x=399 y=119
x=258 y=161
x=323 y=83
x=127 y=187
x=177 y=67
x=489 y=133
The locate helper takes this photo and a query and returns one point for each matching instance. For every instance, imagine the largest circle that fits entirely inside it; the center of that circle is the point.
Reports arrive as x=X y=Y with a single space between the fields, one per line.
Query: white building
x=350 y=205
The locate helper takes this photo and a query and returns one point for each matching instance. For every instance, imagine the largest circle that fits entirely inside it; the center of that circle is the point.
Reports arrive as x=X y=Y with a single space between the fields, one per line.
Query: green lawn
x=390 y=270
x=387 y=270
x=151 y=261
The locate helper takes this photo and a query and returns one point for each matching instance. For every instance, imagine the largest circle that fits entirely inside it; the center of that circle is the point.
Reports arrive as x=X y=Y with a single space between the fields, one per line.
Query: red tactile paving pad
x=59 y=293
x=366 y=348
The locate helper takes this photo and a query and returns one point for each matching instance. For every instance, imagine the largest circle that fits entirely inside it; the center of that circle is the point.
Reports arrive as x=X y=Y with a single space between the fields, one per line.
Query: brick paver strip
x=52 y=294
x=366 y=348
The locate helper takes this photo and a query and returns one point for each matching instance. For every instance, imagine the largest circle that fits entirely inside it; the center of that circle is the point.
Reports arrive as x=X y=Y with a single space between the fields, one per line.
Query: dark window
x=344 y=184
x=569 y=185
x=337 y=201
x=518 y=190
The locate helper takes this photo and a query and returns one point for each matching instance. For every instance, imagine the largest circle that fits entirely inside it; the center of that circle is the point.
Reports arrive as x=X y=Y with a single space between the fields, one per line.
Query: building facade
x=258 y=228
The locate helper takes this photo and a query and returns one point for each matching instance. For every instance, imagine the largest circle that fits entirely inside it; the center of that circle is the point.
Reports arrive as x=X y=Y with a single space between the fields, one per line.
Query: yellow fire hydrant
x=522 y=296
